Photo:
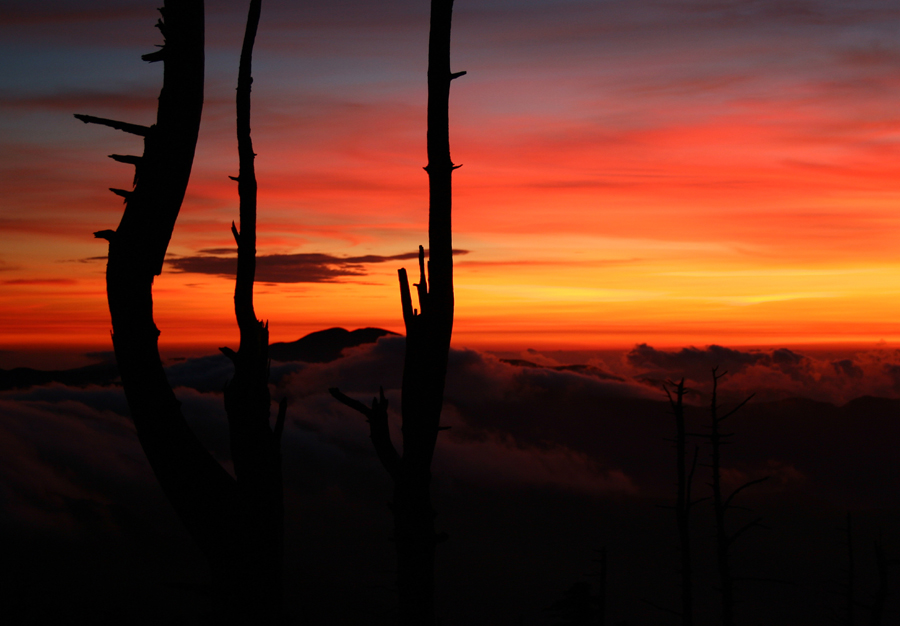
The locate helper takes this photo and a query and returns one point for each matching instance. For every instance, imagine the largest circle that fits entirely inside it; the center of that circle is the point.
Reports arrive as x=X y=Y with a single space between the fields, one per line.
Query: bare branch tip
x=125 y=158
x=157 y=55
x=134 y=129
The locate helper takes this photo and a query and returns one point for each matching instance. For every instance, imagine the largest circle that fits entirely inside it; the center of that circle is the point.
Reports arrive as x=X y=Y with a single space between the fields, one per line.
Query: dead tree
x=683 y=502
x=255 y=448
x=428 y=333
x=215 y=508
x=722 y=504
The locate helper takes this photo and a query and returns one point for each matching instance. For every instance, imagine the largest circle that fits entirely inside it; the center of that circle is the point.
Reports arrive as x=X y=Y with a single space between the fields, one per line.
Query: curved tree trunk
x=219 y=513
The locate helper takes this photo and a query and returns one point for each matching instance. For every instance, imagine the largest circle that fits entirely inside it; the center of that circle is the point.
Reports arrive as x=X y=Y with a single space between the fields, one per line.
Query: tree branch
x=737 y=408
x=405 y=300
x=134 y=129
x=742 y=487
x=379 y=431
x=422 y=285
x=754 y=524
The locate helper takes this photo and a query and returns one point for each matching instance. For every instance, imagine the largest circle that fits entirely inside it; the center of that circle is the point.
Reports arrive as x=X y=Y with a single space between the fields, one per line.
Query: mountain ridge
x=326 y=345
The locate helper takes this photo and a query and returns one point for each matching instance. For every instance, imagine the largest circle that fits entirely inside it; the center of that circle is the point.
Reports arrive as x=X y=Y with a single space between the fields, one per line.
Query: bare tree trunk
x=215 y=509
x=428 y=334
x=254 y=446
x=683 y=503
x=726 y=580
x=196 y=485
x=722 y=503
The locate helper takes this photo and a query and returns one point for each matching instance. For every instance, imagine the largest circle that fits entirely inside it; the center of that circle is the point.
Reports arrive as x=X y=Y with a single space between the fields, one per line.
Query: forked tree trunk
x=218 y=512
x=428 y=332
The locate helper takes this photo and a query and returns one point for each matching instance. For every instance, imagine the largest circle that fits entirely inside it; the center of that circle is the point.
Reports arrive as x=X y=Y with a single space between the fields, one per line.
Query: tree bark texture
x=215 y=509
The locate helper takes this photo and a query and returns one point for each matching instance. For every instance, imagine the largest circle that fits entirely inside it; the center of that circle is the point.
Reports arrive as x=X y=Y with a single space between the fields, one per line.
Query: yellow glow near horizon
x=665 y=185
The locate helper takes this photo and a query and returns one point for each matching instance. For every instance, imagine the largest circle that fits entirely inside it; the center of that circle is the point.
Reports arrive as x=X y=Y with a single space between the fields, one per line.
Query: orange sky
x=675 y=173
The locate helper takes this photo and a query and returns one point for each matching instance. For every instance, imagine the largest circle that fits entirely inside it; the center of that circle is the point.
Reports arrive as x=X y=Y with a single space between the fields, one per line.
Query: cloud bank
x=542 y=464
x=773 y=374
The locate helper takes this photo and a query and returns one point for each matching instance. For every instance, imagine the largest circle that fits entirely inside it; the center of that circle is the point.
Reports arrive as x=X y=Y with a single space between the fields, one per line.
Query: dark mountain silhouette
x=325 y=345
x=23 y=377
x=322 y=346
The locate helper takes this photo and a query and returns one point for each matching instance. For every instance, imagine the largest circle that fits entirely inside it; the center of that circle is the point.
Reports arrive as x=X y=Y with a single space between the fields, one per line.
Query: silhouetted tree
x=722 y=504
x=428 y=333
x=683 y=502
x=232 y=521
x=255 y=449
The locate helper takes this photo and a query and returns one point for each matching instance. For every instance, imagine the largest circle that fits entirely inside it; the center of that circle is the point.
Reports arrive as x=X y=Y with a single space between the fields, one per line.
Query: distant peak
x=326 y=345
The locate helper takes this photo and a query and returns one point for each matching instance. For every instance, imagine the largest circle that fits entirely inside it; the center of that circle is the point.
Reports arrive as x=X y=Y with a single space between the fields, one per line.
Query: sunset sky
x=651 y=191
x=676 y=173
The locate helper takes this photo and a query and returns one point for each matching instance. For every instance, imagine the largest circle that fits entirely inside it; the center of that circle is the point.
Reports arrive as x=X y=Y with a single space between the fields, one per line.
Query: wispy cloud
x=287 y=268
x=39 y=281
